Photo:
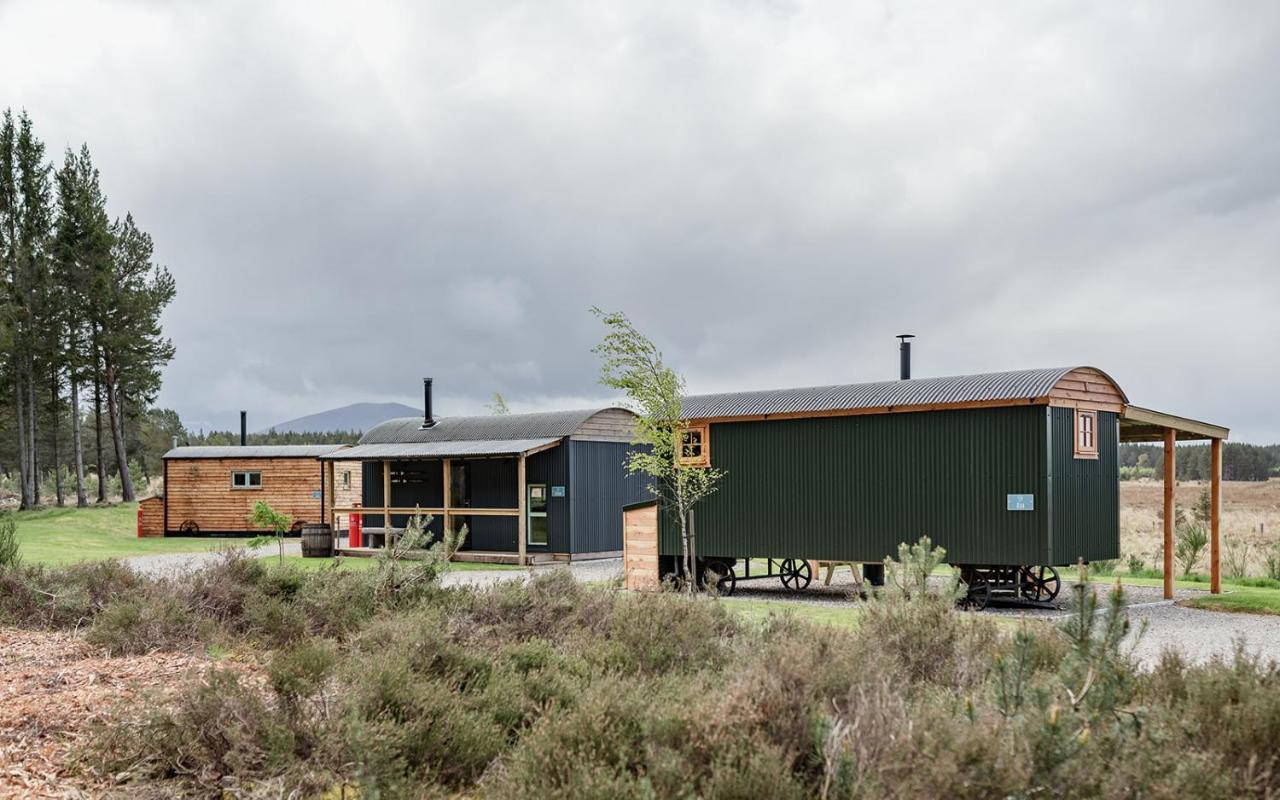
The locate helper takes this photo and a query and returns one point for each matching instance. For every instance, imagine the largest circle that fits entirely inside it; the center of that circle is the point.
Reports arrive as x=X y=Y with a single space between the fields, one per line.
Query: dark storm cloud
x=353 y=198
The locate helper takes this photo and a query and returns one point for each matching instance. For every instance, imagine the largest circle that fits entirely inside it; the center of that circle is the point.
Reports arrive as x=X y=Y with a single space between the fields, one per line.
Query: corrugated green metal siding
x=853 y=488
x=1086 y=492
x=599 y=489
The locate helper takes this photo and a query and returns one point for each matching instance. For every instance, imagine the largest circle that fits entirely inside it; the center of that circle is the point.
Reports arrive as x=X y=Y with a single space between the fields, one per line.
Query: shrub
x=1191 y=542
x=8 y=542
x=65 y=597
x=1236 y=561
x=143 y=624
x=658 y=632
x=1136 y=564
x=1272 y=561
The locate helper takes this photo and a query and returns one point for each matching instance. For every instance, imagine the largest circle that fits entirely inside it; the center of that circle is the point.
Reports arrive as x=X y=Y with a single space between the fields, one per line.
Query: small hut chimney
x=904 y=355
x=427 y=419
x=244 y=428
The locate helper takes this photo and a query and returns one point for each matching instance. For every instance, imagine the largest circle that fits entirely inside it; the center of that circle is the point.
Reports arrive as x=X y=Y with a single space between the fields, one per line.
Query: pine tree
x=26 y=217
x=133 y=347
x=83 y=250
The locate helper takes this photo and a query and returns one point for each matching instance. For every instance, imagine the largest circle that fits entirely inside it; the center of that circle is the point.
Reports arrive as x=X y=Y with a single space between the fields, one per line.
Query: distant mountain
x=355 y=417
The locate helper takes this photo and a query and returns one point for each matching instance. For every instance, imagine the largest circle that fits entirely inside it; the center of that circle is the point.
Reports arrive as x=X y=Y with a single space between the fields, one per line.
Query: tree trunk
x=57 y=461
x=31 y=435
x=97 y=437
x=117 y=438
x=24 y=456
x=77 y=442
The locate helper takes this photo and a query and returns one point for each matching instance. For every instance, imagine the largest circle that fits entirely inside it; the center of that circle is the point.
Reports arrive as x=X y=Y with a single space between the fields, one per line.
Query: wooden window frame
x=703 y=459
x=1081 y=449
x=248 y=483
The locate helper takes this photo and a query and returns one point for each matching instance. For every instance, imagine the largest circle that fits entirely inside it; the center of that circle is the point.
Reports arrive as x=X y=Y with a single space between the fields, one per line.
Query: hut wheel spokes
x=796 y=574
x=189 y=526
x=1040 y=583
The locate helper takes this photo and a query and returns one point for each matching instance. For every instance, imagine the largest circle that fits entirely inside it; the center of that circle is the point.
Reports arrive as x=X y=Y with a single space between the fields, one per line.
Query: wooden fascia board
x=1186 y=428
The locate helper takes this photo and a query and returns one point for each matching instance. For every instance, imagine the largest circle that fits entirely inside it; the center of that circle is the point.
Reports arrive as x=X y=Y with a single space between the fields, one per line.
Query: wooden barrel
x=317 y=541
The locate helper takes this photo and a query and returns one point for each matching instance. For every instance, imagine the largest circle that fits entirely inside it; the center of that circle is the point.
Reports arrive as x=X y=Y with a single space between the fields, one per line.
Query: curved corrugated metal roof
x=1026 y=384
x=542 y=425
x=254 y=451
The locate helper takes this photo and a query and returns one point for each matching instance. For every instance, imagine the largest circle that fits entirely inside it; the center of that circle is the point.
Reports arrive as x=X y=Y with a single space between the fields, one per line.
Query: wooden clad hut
x=212 y=490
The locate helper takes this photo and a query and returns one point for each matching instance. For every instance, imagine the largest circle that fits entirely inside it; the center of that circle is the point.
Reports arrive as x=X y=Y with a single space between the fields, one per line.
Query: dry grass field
x=1250 y=513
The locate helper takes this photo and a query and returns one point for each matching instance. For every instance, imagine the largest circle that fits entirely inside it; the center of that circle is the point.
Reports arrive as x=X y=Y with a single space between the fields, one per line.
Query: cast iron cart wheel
x=1040 y=583
x=189 y=526
x=297 y=526
x=796 y=574
x=726 y=579
x=976 y=596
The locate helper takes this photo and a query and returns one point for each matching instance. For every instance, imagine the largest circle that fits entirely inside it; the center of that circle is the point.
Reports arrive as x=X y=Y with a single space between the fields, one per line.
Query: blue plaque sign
x=557 y=491
x=1021 y=502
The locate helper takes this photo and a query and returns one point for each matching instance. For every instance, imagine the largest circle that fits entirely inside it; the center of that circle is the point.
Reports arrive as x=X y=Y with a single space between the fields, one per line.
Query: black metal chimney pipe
x=244 y=428
x=427 y=419
x=904 y=355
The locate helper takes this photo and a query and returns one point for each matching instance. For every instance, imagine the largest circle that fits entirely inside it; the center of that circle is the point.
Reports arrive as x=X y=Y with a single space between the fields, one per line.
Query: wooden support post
x=1170 y=473
x=386 y=504
x=1215 y=520
x=521 y=518
x=330 y=500
x=448 y=486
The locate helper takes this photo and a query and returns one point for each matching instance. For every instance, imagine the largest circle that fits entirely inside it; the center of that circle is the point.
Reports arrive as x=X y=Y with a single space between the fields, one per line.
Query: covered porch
x=1139 y=424
x=478 y=483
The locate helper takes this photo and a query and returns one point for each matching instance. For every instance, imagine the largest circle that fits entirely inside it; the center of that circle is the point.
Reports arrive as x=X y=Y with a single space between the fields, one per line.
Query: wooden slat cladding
x=640 y=548
x=151 y=517
x=199 y=490
x=609 y=425
x=349 y=477
x=1089 y=388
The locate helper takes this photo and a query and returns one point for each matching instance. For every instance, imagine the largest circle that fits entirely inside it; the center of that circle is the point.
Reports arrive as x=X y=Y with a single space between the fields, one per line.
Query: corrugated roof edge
x=995 y=388
x=253 y=451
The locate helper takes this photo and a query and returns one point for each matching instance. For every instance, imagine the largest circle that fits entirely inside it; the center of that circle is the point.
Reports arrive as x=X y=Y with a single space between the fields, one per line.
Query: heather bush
x=549 y=688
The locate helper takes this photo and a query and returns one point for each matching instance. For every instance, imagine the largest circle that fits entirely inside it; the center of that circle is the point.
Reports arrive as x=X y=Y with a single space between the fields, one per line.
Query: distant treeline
x=1240 y=462
x=275 y=437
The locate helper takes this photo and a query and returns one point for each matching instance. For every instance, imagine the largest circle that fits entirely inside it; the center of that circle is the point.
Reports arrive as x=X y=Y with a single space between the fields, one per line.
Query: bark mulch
x=52 y=686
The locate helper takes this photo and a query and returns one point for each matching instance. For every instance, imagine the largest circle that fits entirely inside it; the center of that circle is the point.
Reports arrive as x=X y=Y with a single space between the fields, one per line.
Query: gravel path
x=1200 y=635
x=168 y=564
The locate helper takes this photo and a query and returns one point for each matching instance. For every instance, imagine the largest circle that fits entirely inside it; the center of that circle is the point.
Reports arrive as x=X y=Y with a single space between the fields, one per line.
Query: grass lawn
x=1246 y=599
x=758 y=611
x=68 y=535
x=367 y=563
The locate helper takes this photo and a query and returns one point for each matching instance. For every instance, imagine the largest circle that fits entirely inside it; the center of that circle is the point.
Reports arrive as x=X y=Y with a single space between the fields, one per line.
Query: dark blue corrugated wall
x=1086 y=492
x=552 y=468
x=852 y=488
x=599 y=488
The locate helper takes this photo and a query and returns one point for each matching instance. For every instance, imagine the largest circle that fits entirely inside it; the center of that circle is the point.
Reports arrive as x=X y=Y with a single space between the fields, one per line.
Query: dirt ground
x=1250 y=514
x=53 y=686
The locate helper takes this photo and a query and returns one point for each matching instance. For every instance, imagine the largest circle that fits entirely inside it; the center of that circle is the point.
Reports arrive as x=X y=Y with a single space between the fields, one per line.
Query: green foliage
x=1240 y=462
x=548 y=688
x=1271 y=560
x=1191 y=542
x=1136 y=564
x=264 y=516
x=909 y=573
x=632 y=364
x=9 y=556
x=499 y=405
x=1235 y=560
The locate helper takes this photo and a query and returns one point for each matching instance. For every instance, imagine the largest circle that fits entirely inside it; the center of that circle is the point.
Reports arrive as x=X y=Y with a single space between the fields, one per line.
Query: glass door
x=536 y=524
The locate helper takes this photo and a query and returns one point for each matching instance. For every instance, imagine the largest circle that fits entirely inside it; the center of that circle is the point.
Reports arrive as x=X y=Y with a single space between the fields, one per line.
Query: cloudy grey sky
x=352 y=196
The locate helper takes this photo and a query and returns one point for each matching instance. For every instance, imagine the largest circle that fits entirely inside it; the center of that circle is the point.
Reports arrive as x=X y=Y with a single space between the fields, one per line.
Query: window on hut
x=1086 y=434
x=695 y=446
x=246 y=480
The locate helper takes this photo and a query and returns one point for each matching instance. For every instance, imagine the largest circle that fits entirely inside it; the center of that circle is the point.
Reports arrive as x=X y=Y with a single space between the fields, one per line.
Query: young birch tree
x=632 y=364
